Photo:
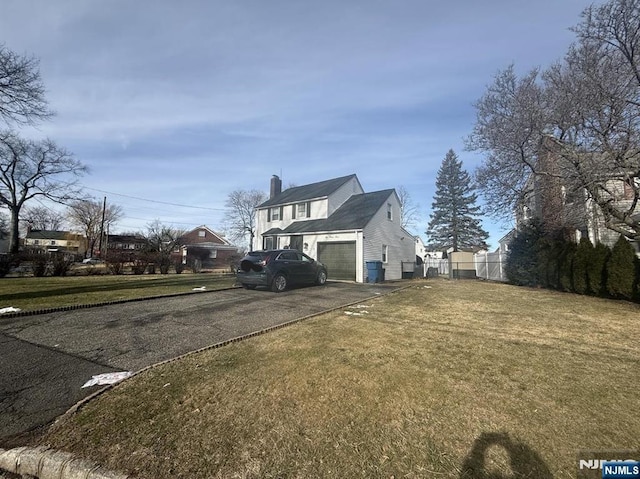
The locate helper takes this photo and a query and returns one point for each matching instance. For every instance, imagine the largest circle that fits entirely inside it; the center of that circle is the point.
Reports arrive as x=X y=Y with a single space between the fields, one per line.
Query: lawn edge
x=72 y=307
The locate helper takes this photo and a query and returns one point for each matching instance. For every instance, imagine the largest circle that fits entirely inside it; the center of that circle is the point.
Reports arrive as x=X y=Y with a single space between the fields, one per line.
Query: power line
x=154 y=201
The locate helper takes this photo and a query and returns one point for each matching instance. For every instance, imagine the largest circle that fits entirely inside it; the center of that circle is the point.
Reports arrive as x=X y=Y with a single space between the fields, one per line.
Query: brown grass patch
x=405 y=389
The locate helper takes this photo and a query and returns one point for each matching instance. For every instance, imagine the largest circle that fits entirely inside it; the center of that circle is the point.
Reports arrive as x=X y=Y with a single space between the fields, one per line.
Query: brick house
x=212 y=248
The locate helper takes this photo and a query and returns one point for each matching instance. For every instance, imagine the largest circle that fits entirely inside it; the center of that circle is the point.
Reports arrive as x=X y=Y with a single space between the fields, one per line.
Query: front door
x=295 y=242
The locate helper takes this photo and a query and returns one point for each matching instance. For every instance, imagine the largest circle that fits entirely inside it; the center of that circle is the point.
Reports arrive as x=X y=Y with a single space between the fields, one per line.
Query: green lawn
x=446 y=379
x=49 y=292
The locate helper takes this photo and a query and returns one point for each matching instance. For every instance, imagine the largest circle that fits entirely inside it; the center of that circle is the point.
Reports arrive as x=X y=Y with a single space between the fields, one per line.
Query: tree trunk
x=14 y=237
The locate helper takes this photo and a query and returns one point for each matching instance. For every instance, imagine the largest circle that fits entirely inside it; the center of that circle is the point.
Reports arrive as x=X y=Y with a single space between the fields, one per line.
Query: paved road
x=45 y=359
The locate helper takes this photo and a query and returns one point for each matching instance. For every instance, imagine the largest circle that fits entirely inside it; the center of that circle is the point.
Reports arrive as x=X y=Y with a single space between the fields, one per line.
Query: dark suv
x=280 y=268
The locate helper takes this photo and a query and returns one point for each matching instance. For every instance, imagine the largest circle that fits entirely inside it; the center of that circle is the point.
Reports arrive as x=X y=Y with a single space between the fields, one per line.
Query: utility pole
x=104 y=208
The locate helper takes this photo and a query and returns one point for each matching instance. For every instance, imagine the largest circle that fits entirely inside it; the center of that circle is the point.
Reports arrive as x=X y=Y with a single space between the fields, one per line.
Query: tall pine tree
x=453 y=221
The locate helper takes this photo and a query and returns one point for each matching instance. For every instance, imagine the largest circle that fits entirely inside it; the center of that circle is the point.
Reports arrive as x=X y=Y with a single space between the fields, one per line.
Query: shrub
x=621 y=270
x=195 y=264
x=580 y=265
x=596 y=269
x=550 y=255
x=565 y=265
x=7 y=262
x=60 y=264
x=179 y=266
x=165 y=264
x=39 y=263
x=522 y=261
x=116 y=262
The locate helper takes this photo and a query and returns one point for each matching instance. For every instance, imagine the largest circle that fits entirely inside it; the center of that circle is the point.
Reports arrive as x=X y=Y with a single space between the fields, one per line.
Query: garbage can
x=374 y=271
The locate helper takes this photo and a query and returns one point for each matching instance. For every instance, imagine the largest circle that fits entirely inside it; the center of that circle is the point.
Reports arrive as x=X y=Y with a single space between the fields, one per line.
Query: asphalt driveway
x=47 y=358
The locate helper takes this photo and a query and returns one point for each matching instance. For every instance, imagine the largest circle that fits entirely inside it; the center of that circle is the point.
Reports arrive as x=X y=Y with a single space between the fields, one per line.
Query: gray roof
x=52 y=235
x=354 y=214
x=307 y=192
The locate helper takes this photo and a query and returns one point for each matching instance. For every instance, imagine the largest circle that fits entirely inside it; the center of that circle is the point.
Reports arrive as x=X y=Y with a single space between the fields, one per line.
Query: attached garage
x=339 y=258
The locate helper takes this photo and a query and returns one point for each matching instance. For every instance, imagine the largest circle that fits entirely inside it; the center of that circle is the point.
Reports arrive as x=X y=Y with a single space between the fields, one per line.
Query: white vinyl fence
x=442 y=265
x=491 y=266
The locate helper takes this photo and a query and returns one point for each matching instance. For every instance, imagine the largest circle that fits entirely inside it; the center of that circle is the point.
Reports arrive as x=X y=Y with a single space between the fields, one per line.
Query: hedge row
x=536 y=260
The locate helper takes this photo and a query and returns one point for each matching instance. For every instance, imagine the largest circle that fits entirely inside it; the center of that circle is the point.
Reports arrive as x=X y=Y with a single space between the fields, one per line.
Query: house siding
x=382 y=231
x=342 y=194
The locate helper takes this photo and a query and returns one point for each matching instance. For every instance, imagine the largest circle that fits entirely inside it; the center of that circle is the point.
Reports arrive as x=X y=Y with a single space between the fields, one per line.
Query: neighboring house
x=55 y=241
x=125 y=243
x=505 y=241
x=212 y=248
x=421 y=250
x=561 y=208
x=339 y=224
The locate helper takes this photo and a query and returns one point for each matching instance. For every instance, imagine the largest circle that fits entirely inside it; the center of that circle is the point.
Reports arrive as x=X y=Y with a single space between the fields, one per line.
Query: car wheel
x=322 y=278
x=279 y=283
x=249 y=286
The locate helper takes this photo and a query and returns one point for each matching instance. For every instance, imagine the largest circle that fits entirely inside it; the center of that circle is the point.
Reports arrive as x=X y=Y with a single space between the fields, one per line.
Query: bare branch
x=22 y=99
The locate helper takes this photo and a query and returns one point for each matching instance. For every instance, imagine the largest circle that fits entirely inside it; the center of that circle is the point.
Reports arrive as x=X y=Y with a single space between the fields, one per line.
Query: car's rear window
x=258 y=255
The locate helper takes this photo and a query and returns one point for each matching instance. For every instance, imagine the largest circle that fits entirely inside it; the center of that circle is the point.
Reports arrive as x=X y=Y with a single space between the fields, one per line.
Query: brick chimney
x=276 y=186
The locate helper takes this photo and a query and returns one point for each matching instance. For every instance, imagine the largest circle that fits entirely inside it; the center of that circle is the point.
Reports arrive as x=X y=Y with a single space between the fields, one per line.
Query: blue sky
x=184 y=102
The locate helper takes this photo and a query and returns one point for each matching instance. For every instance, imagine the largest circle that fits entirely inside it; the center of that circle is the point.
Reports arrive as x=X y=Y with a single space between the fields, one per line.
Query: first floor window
x=385 y=253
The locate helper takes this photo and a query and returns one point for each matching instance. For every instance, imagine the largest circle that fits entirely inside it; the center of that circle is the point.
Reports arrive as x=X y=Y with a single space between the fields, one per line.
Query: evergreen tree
x=522 y=261
x=453 y=221
x=596 y=271
x=580 y=266
x=621 y=269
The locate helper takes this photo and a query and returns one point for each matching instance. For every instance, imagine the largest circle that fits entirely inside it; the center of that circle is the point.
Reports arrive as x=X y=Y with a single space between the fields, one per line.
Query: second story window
x=275 y=214
x=201 y=233
x=389 y=212
x=302 y=210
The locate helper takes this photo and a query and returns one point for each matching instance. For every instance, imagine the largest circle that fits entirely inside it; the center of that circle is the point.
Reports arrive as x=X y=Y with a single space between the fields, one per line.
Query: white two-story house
x=337 y=223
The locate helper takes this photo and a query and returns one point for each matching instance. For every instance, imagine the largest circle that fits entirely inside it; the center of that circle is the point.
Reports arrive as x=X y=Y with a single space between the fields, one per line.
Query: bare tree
x=22 y=99
x=29 y=169
x=409 y=212
x=43 y=218
x=240 y=217
x=588 y=105
x=87 y=215
x=163 y=240
x=510 y=123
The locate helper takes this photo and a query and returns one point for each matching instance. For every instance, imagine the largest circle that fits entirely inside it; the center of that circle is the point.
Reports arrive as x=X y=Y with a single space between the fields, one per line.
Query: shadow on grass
x=110 y=286
x=525 y=463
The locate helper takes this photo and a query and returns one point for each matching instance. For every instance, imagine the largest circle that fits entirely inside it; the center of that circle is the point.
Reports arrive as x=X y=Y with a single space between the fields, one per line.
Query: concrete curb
x=44 y=463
